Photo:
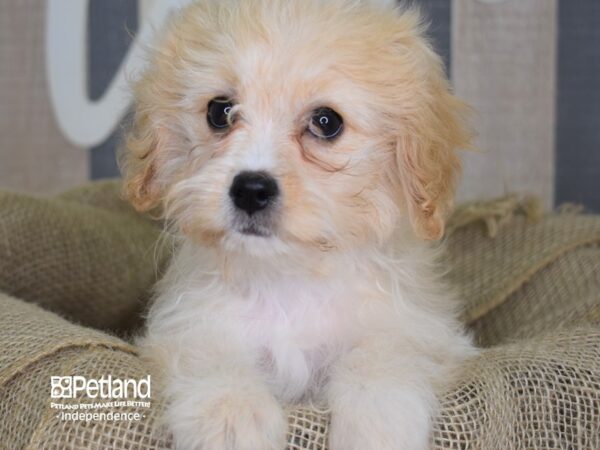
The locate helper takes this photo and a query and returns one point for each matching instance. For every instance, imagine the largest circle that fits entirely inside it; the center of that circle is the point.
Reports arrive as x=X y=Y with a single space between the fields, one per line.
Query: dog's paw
x=236 y=421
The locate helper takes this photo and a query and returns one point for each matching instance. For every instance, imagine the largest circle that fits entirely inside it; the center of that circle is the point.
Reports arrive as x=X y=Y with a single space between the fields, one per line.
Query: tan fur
x=382 y=55
x=344 y=293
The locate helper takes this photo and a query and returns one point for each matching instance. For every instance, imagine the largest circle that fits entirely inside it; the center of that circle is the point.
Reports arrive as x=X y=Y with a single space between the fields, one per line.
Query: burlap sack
x=86 y=255
x=536 y=273
x=36 y=345
x=530 y=292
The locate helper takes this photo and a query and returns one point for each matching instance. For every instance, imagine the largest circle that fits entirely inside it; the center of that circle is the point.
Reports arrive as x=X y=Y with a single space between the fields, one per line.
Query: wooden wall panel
x=437 y=15
x=578 y=127
x=111 y=27
x=504 y=64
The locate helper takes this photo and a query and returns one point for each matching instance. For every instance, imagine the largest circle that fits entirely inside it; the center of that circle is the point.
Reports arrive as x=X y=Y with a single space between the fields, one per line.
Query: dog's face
x=320 y=123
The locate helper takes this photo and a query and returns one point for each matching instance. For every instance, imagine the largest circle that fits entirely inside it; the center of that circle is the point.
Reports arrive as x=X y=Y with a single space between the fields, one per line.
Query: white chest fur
x=290 y=322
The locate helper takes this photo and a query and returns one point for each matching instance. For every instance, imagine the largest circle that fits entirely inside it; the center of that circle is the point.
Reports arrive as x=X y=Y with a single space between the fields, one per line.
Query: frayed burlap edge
x=495 y=213
x=498 y=213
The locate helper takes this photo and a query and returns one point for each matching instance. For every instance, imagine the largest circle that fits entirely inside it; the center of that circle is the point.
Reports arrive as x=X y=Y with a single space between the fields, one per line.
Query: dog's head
x=322 y=123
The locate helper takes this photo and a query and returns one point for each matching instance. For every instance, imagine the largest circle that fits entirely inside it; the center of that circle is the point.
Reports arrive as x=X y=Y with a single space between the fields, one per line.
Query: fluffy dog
x=304 y=151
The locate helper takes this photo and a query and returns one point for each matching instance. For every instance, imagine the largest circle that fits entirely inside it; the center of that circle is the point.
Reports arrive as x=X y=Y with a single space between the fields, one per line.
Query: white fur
x=240 y=335
x=342 y=303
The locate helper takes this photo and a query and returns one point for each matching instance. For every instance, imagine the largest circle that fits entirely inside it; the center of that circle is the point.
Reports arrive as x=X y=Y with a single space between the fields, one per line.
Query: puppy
x=304 y=152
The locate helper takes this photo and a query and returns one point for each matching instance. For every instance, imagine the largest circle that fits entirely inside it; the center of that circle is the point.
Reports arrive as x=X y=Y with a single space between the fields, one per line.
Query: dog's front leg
x=382 y=397
x=216 y=398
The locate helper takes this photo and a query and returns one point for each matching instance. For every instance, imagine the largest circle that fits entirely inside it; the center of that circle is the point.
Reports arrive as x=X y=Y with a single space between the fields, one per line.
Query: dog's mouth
x=260 y=225
x=253 y=230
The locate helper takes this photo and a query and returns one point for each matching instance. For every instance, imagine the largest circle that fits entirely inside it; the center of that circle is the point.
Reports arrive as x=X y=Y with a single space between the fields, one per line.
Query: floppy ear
x=153 y=138
x=140 y=160
x=426 y=153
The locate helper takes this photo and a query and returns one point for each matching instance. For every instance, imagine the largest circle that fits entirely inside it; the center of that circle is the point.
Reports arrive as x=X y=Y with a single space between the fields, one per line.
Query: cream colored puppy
x=304 y=152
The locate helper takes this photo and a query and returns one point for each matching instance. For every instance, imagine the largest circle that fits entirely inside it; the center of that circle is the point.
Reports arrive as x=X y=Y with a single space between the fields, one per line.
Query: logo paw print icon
x=60 y=387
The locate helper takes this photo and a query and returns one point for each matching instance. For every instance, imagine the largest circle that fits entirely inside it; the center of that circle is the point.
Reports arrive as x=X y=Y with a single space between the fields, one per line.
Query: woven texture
x=487 y=271
x=542 y=393
x=37 y=345
x=93 y=263
x=569 y=287
x=532 y=297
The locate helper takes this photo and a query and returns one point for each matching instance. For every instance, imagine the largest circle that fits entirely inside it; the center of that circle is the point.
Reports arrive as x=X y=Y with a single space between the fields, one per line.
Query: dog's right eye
x=218 y=114
x=326 y=124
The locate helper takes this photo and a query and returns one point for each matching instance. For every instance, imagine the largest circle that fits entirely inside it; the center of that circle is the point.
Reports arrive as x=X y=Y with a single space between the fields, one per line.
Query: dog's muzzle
x=254 y=195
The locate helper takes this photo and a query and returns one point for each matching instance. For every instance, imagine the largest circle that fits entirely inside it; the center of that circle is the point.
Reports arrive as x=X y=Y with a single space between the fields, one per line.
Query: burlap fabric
x=533 y=274
x=85 y=255
x=532 y=298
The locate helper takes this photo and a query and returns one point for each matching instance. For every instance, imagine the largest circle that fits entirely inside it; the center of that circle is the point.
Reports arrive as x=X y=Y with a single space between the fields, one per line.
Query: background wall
x=530 y=68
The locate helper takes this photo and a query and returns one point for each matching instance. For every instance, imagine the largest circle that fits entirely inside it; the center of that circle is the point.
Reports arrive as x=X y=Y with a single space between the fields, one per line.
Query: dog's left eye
x=218 y=113
x=325 y=123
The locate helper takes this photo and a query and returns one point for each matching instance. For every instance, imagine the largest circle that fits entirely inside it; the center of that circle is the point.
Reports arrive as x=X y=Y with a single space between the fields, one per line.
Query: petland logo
x=106 y=387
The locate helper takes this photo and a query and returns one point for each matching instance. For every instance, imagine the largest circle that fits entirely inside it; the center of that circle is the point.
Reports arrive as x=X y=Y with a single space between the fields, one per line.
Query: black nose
x=253 y=191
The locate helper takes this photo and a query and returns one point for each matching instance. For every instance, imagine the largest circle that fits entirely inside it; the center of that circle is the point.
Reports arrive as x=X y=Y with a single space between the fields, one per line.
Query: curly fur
x=344 y=303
